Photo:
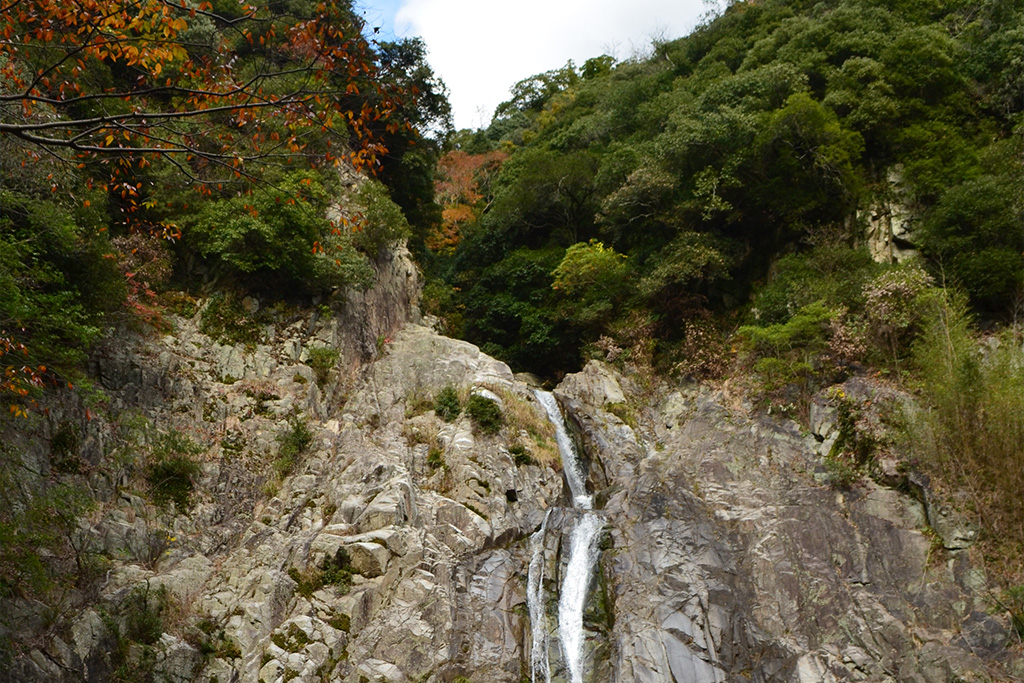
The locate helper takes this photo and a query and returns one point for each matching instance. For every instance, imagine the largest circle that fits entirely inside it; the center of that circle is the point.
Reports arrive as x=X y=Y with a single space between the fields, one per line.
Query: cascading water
x=570 y=463
x=582 y=559
x=583 y=556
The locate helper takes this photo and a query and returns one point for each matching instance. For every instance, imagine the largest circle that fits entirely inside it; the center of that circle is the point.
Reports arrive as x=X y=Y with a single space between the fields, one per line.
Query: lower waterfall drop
x=583 y=556
x=572 y=600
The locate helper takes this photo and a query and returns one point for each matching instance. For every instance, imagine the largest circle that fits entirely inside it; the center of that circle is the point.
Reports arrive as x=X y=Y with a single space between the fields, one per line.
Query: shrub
x=521 y=456
x=291 y=444
x=322 y=359
x=37 y=525
x=143 y=614
x=788 y=358
x=806 y=331
x=892 y=308
x=593 y=279
x=56 y=288
x=383 y=222
x=435 y=458
x=971 y=429
x=171 y=480
x=486 y=414
x=1014 y=604
x=447 y=404
x=265 y=238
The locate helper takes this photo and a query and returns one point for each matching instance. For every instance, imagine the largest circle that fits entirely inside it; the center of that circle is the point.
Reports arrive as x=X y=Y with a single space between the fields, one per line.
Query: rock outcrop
x=396 y=546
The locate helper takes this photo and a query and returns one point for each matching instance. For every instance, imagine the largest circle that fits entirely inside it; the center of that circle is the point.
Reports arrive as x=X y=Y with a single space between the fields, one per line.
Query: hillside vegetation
x=796 y=192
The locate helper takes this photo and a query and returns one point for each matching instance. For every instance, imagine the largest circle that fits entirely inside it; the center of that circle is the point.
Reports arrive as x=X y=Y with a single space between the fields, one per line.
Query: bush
x=291 y=444
x=322 y=359
x=278 y=238
x=143 y=614
x=892 y=308
x=435 y=458
x=383 y=222
x=171 y=480
x=37 y=526
x=447 y=404
x=521 y=456
x=486 y=414
x=971 y=429
x=55 y=290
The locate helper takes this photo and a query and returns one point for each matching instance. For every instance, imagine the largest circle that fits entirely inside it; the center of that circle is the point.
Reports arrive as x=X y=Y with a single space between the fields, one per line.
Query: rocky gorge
x=397 y=543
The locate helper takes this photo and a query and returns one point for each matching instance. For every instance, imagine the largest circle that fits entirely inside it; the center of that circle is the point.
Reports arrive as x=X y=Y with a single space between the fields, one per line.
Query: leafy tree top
x=197 y=83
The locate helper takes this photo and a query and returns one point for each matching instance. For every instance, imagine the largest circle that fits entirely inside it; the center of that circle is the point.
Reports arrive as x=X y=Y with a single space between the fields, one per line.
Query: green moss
x=624 y=412
x=340 y=621
x=292 y=640
x=226 y=320
x=335 y=571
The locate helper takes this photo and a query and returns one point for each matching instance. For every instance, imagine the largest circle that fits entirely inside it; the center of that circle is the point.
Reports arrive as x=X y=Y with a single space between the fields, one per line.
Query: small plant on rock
x=291 y=444
x=853 y=452
x=447 y=404
x=521 y=456
x=486 y=414
x=322 y=359
x=171 y=475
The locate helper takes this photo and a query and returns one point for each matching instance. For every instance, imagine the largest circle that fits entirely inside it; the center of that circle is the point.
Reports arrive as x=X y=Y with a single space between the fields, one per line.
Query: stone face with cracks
x=724 y=559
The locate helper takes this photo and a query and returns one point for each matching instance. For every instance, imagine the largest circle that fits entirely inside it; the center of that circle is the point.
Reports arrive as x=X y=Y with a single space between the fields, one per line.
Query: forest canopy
x=774 y=131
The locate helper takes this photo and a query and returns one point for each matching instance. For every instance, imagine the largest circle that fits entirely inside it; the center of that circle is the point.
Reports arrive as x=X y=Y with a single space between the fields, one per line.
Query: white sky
x=481 y=48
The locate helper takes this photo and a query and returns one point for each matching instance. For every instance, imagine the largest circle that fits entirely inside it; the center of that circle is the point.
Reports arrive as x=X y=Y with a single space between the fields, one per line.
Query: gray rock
x=723 y=558
x=368 y=559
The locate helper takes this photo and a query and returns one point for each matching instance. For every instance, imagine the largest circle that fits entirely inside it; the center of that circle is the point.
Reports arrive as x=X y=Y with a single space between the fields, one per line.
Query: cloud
x=481 y=48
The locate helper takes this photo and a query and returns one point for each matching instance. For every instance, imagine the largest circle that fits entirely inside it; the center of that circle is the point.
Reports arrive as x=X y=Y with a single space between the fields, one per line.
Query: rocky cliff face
x=396 y=546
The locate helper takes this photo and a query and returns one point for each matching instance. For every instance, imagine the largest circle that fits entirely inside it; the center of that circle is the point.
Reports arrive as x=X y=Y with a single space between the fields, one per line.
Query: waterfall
x=570 y=463
x=535 y=603
x=583 y=555
x=582 y=559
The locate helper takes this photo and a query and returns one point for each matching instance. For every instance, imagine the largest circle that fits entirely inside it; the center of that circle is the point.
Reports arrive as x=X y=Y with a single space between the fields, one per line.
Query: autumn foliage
x=205 y=124
x=156 y=78
x=462 y=188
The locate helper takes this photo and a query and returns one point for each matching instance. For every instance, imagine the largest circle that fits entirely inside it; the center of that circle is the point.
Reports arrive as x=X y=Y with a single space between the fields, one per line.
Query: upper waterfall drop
x=570 y=461
x=583 y=553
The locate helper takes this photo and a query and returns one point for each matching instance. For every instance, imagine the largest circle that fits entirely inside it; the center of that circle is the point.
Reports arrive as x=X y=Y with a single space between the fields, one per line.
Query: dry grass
x=527 y=421
x=970 y=431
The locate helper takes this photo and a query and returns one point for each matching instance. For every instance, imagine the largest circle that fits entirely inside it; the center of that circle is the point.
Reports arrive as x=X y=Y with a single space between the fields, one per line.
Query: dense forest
x=795 y=193
x=660 y=194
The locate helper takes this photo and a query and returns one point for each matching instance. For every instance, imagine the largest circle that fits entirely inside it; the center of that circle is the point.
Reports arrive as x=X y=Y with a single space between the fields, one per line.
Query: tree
x=200 y=87
x=462 y=188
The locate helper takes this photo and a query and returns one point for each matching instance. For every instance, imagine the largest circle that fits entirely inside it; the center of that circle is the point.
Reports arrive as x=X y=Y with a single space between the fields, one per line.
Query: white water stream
x=583 y=555
x=570 y=463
